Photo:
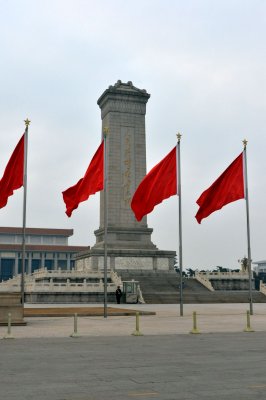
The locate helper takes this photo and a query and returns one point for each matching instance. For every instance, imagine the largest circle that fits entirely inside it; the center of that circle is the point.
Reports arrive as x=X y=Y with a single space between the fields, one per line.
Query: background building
x=260 y=272
x=260 y=266
x=44 y=248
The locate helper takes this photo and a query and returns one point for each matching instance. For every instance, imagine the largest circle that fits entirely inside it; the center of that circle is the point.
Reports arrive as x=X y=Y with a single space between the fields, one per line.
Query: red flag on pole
x=91 y=183
x=159 y=184
x=13 y=174
x=227 y=188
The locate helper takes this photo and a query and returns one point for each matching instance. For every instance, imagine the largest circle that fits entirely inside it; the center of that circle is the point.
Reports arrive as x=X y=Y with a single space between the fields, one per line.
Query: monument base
x=125 y=238
x=131 y=259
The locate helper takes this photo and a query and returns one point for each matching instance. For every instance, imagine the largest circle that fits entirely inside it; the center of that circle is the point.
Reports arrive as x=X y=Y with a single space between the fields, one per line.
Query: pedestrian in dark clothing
x=118 y=294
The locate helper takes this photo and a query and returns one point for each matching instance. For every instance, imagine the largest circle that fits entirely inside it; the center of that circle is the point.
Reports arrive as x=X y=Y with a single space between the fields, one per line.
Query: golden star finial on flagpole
x=105 y=131
x=27 y=122
x=245 y=142
x=178 y=137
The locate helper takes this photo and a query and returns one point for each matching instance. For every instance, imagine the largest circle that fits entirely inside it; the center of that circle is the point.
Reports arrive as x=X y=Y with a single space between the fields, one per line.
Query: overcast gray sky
x=204 y=64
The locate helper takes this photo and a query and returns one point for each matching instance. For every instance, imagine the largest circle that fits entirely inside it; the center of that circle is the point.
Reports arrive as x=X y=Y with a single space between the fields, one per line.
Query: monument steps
x=227 y=296
x=162 y=287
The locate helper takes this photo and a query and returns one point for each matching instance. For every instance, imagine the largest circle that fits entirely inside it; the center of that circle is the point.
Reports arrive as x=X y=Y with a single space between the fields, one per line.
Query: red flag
x=159 y=184
x=227 y=188
x=13 y=175
x=91 y=183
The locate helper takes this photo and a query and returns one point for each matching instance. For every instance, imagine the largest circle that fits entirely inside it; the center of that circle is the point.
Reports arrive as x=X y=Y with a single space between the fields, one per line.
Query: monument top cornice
x=124 y=89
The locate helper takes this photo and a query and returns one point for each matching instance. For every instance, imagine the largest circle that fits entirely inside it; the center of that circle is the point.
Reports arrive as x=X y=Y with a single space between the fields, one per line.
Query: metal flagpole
x=248 y=227
x=105 y=133
x=180 y=224
x=27 y=122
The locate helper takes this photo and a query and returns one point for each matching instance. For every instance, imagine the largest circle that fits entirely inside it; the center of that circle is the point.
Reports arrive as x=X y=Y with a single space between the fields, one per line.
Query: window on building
x=19 y=239
x=48 y=240
x=36 y=239
x=49 y=255
x=7 y=268
x=49 y=264
x=35 y=264
x=62 y=264
x=62 y=256
x=61 y=240
x=7 y=239
x=36 y=255
x=20 y=266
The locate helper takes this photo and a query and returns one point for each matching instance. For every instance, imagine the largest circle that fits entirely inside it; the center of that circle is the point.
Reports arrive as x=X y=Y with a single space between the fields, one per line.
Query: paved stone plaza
x=185 y=367
x=167 y=362
x=211 y=318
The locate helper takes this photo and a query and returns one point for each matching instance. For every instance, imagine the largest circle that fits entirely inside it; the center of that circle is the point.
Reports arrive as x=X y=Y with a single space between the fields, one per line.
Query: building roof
x=36 y=231
x=39 y=248
x=259 y=262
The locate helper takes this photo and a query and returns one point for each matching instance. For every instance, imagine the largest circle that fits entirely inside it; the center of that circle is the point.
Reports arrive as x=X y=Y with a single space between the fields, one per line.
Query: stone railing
x=33 y=287
x=14 y=279
x=202 y=278
x=8 y=286
x=262 y=288
x=34 y=283
x=45 y=273
x=50 y=274
x=140 y=296
x=45 y=280
x=223 y=275
x=116 y=279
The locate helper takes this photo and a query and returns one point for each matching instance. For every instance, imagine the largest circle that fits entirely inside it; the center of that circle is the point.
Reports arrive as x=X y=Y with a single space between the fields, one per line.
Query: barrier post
x=75 y=333
x=248 y=327
x=137 y=331
x=8 y=335
x=194 y=329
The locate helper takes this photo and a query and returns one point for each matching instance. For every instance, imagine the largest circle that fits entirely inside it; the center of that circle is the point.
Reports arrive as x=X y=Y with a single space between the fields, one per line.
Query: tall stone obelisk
x=123 y=109
x=129 y=245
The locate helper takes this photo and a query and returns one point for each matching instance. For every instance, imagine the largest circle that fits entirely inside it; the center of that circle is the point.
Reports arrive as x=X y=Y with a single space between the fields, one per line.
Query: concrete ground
x=167 y=363
x=211 y=318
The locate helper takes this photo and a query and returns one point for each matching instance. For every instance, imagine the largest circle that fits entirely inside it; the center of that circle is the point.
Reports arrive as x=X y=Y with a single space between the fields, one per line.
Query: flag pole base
x=195 y=331
x=74 y=335
x=137 y=333
x=248 y=330
x=8 y=336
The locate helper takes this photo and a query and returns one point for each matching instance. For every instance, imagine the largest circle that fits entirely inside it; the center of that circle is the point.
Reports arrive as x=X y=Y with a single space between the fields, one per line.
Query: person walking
x=118 y=294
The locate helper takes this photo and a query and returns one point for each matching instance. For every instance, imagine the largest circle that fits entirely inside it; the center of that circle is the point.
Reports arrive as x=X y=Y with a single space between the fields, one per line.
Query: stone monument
x=129 y=245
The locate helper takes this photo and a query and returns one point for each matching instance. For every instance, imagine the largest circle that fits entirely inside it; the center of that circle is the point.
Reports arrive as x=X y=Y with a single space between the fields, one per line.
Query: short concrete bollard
x=75 y=333
x=194 y=329
x=137 y=331
x=8 y=335
x=248 y=327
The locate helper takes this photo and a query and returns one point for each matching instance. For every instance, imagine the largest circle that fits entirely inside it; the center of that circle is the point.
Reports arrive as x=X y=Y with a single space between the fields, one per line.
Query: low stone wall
x=71 y=297
x=231 y=284
x=11 y=303
x=262 y=288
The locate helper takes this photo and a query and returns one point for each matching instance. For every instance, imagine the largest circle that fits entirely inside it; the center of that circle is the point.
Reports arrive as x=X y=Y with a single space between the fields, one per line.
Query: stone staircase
x=162 y=287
